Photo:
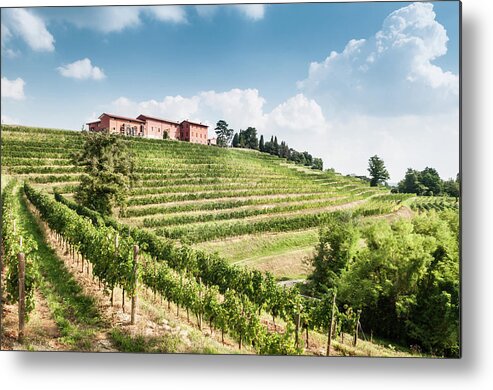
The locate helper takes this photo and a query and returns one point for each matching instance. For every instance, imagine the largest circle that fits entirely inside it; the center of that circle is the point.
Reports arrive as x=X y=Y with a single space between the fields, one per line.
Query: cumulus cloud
x=81 y=70
x=13 y=89
x=29 y=27
x=252 y=11
x=117 y=19
x=390 y=73
x=299 y=114
x=103 y=19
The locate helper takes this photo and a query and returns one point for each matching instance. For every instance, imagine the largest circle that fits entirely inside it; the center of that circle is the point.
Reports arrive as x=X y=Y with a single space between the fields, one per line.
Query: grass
x=257 y=246
x=139 y=343
x=282 y=254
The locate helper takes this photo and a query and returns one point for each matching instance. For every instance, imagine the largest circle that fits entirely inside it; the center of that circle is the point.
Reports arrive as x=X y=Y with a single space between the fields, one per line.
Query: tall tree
x=236 y=141
x=430 y=178
x=275 y=147
x=261 y=145
x=411 y=183
x=224 y=134
x=377 y=170
x=318 y=164
x=108 y=168
x=338 y=244
x=250 y=139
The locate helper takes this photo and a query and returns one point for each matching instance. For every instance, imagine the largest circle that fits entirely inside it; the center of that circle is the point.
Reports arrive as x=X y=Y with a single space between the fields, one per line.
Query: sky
x=343 y=81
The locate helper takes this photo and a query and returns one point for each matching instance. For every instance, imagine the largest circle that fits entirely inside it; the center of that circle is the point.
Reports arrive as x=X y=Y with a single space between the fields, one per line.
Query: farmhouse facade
x=151 y=127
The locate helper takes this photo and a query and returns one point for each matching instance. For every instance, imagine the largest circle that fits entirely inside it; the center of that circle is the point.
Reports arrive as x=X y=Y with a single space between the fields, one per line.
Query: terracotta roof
x=158 y=119
x=121 y=117
x=194 y=123
x=90 y=123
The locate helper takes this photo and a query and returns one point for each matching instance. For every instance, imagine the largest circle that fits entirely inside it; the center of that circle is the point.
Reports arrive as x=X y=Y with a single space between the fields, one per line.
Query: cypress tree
x=236 y=140
x=261 y=144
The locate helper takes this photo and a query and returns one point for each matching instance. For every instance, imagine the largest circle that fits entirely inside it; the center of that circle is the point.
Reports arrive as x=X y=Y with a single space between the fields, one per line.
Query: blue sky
x=390 y=86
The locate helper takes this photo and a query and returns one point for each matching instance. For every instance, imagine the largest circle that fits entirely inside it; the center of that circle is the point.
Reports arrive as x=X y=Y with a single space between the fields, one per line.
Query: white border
x=473 y=371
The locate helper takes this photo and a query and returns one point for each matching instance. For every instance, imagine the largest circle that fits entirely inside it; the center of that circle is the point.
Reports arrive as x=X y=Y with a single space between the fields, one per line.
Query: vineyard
x=202 y=196
x=195 y=218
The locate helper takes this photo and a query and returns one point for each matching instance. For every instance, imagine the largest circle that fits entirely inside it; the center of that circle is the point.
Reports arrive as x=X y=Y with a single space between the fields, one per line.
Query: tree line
x=428 y=183
x=248 y=139
x=422 y=183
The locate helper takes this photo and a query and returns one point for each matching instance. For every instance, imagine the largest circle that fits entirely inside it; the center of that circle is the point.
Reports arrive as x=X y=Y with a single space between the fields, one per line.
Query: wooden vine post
x=331 y=324
x=298 y=321
x=134 y=295
x=22 y=294
x=116 y=258
x=355 y=340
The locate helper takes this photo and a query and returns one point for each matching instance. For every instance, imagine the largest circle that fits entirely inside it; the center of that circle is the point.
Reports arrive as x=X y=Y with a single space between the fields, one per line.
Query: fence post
x=298 y=322
x=134 y=295
x=331 y=325
x=355 y=340
x=22 y=295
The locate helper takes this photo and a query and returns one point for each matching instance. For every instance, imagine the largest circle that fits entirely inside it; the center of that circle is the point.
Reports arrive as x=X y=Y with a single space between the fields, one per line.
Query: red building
x=151 y=127
x=116 y=124
x=193 y=132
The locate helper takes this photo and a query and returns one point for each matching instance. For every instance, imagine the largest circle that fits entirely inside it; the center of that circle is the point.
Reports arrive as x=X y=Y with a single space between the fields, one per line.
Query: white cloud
x=240 y=107
x=168 y=13
x=13 y=89
x=28 y=26
x=390 y=73
x=103 y=19
x=252 y=11
x=120 y=18
x=82 y=70
x=6 y=37
x=298 y=114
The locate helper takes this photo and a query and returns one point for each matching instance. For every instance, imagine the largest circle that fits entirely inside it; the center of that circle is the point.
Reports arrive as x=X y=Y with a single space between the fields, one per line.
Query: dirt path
x=40 y=333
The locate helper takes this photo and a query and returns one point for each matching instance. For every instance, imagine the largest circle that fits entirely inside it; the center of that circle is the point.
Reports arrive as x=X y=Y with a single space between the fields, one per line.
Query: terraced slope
x=248 y=206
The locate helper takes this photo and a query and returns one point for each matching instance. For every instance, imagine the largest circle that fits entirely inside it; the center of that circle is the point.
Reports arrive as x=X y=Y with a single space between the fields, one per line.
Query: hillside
x=252 y=208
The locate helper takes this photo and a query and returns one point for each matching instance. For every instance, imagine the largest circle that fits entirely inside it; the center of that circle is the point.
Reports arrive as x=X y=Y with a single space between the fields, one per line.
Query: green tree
x=430 y=178
x=451 y=188
x=308 y=158
x=261 y=145
x=411 y=183
x=108 y=168
x=338 y=244
x=377 y=170
x=248 y=138
x=224 y=134
x=318 y=164
x=275 y=147
x=284 y=150
x=236 y=141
